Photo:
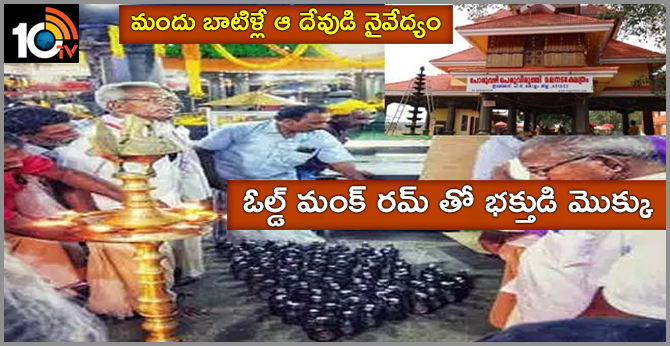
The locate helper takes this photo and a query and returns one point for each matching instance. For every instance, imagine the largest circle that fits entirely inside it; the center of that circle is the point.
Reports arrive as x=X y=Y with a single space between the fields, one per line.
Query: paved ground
x=234 y=315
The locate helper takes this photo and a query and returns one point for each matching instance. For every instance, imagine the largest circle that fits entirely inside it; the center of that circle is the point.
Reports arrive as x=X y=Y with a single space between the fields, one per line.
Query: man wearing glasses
x=179 y=179
x=573 y=273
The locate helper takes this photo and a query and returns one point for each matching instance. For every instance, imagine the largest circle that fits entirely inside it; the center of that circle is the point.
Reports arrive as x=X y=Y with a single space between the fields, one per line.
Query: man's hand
x=84 y=182
x=208 y=166
x=349 y=171
x=22 y=226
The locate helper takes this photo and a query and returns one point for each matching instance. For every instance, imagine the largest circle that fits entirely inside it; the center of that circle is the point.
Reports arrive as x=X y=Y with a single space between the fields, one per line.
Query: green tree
x=238 y=50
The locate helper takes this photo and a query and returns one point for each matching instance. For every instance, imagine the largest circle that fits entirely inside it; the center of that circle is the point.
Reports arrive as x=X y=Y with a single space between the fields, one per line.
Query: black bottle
x=401 y=277
x=462 y=277
x=264 y=290
x=225 y=250
x=352 y=302
x=436 y=299
x=332 y=310
x=254 y=281
x=350 y=323
x=240 y=270
x=323 y=329
x=302 y=292
x=420 y=304
x=395 y=311
x=293 y=313
x=448 y=288
x=372 y=315
x=310 y=318
x=277 y=304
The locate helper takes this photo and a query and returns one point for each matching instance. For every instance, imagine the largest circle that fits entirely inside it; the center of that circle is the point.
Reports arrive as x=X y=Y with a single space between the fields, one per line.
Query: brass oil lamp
x=139 y=222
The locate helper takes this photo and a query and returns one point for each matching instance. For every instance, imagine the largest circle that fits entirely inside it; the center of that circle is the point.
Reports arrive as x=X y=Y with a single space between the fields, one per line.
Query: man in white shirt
x=560 y=275
x=179 y=179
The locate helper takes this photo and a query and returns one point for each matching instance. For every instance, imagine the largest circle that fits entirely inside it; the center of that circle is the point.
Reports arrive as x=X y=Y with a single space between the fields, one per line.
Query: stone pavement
x=232 y=314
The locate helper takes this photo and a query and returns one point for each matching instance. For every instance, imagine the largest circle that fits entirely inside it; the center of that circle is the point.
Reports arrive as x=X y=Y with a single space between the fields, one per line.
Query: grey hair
x=575 y=146
x=34 y=311
x=116 y=91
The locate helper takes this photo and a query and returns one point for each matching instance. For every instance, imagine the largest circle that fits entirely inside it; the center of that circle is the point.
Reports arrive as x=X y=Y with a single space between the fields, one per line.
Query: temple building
x=534 y=60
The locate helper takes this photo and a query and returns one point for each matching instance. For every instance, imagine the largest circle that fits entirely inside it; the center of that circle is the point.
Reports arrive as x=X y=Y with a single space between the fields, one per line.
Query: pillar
x=451 y=119
x=533 y=121
x=581 y=117
x=215 y=86
x=511 y=120
x=142 y=63
x=648 y=122
x=485 y=116
x=625 y=122
x=94 y=42
x=526 y=121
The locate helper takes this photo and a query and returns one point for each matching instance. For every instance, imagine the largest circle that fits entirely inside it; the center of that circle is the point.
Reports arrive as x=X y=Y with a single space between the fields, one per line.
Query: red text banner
x=446 y=205
x=285 y=24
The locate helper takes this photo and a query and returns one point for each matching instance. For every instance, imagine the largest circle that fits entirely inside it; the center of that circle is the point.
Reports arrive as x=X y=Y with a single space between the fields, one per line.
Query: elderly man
x=180 y=178
x=559 y=277
x=272 y=150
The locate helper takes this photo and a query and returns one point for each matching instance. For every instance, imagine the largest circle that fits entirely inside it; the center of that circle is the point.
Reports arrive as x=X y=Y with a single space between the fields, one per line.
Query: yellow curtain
x=114 y=45
x=193 y=65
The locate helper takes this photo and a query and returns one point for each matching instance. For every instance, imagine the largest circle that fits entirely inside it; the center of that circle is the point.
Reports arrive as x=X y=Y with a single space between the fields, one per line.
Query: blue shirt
x=258 y=151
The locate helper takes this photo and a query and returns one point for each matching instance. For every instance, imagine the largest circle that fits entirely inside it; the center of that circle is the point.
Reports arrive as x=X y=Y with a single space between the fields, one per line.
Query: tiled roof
x=535 y=19
x=440 y=82
x=620 y=50
x=501 y=13
x=470 y=54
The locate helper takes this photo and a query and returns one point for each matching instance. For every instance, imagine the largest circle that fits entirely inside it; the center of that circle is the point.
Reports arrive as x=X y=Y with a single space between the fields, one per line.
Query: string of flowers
x=114 y=44
x=193 y=65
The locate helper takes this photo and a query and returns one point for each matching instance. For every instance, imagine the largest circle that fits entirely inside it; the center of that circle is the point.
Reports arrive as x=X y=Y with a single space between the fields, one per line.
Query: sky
x=404 y=60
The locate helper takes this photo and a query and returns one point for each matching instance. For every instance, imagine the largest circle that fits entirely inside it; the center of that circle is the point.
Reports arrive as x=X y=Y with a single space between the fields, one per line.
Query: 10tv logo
x=50 y=35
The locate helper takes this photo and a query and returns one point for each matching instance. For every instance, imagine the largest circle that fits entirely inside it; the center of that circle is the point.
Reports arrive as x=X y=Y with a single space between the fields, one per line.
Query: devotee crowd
x=550 y=276
x=51 y=167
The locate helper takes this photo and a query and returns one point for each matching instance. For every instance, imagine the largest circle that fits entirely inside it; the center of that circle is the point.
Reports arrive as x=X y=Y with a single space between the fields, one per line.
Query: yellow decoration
x=82 y=57
x=300 y=50
x=193 y=68
x=255 y=99
x=193 y=65
x=159 y=50
x=114 y=43
x=350 y=105
x=345 y=61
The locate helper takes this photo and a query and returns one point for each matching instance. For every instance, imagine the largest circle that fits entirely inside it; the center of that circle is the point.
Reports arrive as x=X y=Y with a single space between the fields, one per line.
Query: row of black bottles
x=334 y=290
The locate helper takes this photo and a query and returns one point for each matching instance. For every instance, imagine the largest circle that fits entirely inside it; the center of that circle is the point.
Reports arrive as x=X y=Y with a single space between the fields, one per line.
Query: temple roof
x=501 y=13
x=470 y=54
x=621 y=50
x=534 y=20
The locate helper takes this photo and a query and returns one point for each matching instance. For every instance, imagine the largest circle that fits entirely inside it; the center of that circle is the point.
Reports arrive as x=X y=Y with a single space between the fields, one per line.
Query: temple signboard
x=554 y=83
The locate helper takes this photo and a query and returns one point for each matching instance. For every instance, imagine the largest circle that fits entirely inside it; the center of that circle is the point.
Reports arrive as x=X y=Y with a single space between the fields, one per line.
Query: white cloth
x=497 y=150
x=636 y=283
x=559 y=275
x=176 y=181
